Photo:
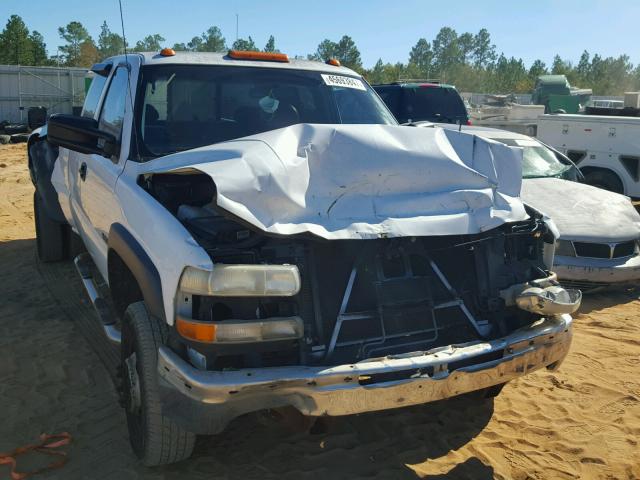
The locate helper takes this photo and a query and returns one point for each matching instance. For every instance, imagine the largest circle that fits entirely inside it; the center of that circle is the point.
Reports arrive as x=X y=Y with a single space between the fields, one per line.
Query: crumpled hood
x=583 y=212
x=361 y=181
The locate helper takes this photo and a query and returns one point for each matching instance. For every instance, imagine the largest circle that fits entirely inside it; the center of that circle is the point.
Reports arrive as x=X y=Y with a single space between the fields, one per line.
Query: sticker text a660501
x=342 y=81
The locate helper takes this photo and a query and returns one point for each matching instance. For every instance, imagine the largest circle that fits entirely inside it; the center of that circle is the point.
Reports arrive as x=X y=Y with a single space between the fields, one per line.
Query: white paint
x=361 y=181
x=581 y=212
x=603 y=139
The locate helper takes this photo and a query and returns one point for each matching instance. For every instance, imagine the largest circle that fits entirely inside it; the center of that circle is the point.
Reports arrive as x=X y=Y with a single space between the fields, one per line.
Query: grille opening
x=593 y=250
x=624 y=249
x=604 y=250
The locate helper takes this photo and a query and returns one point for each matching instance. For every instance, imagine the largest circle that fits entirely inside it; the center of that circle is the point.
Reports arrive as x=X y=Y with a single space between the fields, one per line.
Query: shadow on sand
x=608 y=298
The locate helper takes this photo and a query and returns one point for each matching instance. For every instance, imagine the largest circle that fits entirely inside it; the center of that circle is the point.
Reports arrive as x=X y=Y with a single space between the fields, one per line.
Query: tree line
x=468 y=60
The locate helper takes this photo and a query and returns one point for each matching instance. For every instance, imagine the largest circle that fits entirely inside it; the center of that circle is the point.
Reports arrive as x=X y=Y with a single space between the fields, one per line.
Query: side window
x=112 y=114
x=93 y=96
x=391 y=96
x=576 y=156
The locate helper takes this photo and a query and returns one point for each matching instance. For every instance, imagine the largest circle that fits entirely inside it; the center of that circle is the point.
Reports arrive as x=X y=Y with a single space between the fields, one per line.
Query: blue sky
x=381 y=28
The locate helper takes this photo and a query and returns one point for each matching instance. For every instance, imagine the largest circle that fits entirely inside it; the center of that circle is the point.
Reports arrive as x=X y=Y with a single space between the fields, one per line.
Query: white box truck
x=606 y=148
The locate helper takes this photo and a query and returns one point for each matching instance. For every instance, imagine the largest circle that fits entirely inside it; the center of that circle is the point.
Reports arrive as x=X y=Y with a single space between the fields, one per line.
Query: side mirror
x=80 y=134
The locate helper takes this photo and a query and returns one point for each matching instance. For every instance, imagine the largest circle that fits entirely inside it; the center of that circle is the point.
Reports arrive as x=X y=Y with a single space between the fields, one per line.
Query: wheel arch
x=132 y=274
x=588 y=169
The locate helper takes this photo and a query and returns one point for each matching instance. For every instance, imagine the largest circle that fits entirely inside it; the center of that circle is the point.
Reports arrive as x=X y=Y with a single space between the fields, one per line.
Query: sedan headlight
x=565 y=248
x=242 y=281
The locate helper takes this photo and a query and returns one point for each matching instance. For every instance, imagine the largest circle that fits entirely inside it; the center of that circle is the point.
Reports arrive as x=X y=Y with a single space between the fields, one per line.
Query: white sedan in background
x=599 y=243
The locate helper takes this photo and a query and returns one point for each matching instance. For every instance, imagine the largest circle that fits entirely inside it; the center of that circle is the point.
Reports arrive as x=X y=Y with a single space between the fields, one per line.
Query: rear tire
x=50 y=235
x=155 y=438
x=604 y=179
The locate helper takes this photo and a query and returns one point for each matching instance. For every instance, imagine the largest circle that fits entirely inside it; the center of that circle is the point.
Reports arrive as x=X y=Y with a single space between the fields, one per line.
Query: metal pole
x=73 y=94
x=237 y=26
x=20 y=93
x=59 y=85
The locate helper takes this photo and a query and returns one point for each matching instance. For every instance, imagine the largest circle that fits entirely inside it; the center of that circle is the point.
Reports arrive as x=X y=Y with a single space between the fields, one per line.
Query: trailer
x=606 y=148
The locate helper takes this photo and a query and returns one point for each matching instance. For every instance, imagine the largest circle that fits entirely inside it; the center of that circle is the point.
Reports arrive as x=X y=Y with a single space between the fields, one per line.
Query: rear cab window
x=434 y=104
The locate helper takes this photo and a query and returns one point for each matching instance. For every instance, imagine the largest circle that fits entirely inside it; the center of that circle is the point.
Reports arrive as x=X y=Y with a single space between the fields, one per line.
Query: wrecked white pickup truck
x=271 y=238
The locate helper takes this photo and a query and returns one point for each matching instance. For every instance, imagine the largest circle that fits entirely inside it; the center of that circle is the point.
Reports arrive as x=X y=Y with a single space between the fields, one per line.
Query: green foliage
x=467 y=60
x=246 y=45
x=38 y=48
x=210 y=41
x=421 y=58
x=470 y=62
x=109 y=43
x=484 y=52
x=446 y=51
x=271 y=45
x=17 y=46
x=79 y=48
x=344 y=50
x=150 y=43
x=537 y=68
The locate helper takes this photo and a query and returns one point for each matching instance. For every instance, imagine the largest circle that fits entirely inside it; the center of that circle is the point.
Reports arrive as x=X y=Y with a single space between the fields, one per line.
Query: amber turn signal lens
x=265 y=56
x=198 y=331
x=167 y=52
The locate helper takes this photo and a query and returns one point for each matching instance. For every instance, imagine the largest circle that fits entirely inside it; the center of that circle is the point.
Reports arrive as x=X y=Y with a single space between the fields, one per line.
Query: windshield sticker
x=341 y=81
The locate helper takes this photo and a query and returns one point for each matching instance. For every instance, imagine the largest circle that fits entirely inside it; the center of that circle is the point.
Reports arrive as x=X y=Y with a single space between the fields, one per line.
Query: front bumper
x=205 y=401
x=598 y=271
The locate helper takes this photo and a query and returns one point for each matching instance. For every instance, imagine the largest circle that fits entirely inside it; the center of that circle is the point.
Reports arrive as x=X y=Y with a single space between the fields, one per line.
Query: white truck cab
x=270 y=237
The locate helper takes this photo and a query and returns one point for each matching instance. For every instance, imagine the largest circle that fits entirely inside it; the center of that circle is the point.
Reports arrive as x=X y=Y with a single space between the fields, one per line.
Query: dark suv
x=415 y=101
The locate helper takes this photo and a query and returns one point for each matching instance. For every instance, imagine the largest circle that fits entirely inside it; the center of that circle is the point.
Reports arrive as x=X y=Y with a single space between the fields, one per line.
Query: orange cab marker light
x=333 y=61
x=167 y=52
x=194 y=330
x=265 y=56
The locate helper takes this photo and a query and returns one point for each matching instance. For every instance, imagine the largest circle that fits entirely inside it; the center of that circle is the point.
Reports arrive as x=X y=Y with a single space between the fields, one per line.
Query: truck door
x=93 y=198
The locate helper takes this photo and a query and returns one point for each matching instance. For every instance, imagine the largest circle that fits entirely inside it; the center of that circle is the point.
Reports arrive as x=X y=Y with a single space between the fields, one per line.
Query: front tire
x=50 y=235
x=155 y=438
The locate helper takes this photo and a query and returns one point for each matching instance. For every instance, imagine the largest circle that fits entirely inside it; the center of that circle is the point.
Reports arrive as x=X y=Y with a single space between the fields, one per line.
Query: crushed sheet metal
x=583 y=212
x=361 y=181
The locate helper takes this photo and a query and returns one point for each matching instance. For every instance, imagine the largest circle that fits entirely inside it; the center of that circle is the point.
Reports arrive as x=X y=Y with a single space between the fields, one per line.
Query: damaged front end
x=286 y=319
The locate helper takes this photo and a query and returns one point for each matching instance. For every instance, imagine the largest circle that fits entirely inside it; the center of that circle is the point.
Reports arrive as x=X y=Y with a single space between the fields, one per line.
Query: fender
x=144 y=271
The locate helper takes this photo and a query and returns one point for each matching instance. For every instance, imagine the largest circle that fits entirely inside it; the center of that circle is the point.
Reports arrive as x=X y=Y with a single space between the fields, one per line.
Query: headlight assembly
x=242 y=281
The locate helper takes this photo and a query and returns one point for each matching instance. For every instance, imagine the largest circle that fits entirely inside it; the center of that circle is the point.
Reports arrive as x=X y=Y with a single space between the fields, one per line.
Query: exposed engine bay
x=359 y=299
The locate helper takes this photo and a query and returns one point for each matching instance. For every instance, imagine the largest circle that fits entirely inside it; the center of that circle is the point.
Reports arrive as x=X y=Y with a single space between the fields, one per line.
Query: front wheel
x=155 y=438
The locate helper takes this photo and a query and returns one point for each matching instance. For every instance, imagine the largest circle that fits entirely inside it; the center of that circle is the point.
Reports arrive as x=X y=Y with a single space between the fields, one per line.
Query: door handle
x=83 y=171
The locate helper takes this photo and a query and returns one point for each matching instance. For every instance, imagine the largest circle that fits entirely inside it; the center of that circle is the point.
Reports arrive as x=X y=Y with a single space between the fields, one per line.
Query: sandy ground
x=56 y=374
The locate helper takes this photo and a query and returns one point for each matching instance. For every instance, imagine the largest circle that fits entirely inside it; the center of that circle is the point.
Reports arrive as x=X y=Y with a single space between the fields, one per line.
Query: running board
x=108 y=319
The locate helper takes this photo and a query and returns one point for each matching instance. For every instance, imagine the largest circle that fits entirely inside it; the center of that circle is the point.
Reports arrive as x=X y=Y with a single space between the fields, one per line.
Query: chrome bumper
x=370 y=385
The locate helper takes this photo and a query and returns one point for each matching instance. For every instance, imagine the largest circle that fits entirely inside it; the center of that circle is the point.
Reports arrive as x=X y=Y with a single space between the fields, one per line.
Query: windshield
x=186 y=106
x=435 y=104
x=537 y=160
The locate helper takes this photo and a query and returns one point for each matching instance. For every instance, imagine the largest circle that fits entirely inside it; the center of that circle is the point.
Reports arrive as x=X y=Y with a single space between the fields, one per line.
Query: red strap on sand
x=46 y=447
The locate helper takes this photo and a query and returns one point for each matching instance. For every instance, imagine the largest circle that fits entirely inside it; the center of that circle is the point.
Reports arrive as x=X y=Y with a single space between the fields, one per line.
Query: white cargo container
x=607 y=149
